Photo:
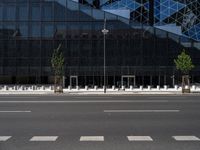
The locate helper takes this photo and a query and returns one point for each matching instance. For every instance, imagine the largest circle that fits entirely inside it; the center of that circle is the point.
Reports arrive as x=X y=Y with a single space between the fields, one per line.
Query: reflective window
x=35 y=12
x=23 y=12
x=47 y=12
x=23 y=29
x=48 y=30
x=61 y=2
x=10 y=12
x=60 y=11
x=1 y=12
x=72 y=10
x=36 y=30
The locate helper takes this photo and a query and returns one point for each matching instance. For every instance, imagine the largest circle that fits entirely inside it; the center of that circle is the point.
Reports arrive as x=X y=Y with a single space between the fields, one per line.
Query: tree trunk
x=58 y=87
x=185 y=84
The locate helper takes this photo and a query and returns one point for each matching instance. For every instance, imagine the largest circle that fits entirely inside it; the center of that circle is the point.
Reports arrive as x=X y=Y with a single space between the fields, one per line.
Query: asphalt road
x=100 y=122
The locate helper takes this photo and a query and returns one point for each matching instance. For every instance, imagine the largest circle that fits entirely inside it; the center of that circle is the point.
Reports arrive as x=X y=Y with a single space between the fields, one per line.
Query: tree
x=57 y=63
x=185 y=65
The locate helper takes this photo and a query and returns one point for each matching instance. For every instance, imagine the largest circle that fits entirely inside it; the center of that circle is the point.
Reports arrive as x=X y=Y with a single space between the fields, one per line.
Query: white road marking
x=186 y=138
x=141 y=111
x=4 y=138
x=44 y=138
x=164 y=97
x=92 y=97
x=91 y=138
x=17 y=111
x=90 y=101
x=139 y=138
x=1 y=97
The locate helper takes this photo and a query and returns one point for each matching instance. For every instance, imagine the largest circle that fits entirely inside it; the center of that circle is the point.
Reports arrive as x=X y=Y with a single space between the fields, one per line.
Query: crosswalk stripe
x=4 y=138
x=44 y=138
x=91 y=138
x=186 y=138
x=139 y=138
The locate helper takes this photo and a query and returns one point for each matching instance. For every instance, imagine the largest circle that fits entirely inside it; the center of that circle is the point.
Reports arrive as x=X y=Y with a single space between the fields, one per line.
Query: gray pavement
x=100 y=122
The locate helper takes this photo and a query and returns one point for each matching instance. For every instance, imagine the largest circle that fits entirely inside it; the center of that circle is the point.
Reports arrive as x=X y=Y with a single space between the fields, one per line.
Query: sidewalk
x=99 y=92
x=48 y=90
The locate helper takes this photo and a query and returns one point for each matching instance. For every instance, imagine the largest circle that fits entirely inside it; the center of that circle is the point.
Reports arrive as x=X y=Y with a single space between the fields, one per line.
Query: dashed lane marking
x=17 y=111
x=186 y=138
x=141 y=111
x=44 y=138
x=4 y=138
x=91 y=138
x=139 y=138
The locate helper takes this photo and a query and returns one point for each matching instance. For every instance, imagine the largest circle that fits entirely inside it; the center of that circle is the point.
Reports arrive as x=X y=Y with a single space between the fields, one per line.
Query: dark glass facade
x=31 y=29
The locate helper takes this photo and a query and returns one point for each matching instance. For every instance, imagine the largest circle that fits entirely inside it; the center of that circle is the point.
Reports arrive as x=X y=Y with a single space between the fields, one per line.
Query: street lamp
x=104 y=31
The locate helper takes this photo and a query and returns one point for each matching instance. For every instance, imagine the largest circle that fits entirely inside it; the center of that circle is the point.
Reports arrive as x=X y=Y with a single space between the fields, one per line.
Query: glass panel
x=85 y=13
x=10 y=12
x=23 y=29
x=36 y=30
x=61 y=2
x=47 y=12
x=98 y=14
x=60 y=30
x=9 y=30
x=35 y=12
x=23 y=12
x=60 y=10
x=1 y=12
x=48 y=30
x=72 y=10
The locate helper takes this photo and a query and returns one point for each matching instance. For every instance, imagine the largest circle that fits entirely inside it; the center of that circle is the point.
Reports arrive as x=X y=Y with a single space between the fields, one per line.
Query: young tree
x=57 y=62
x=185 y=65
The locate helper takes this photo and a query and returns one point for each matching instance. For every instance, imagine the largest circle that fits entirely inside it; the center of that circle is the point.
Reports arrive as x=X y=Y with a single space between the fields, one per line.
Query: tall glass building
x=144 y=38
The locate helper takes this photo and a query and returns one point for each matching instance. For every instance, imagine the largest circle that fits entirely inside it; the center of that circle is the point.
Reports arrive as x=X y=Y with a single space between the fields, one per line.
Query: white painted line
x=4 y=138
x=44 y=138
x=139 y=138
x=92 y=97
x=90 y=101
x=141 y=111
x=186 y=138
x=17 y=111
x=164 y=97
x=91 y=138
x=2 y=97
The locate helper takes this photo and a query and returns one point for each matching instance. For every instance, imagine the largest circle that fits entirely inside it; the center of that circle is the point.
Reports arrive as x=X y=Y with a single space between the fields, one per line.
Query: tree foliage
x=184 y=63
x=57 y=61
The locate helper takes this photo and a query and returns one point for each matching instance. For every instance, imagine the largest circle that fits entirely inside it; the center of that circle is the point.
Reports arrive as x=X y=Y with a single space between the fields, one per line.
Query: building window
x=10 y=12
x=35 y=12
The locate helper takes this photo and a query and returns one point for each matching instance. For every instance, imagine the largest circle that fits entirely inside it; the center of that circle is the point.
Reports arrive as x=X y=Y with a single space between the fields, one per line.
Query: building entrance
x=73 y=81
x=128 y=80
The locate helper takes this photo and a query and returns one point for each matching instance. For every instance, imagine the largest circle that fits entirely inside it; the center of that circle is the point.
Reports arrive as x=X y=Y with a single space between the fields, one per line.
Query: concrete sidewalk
x=91 y=93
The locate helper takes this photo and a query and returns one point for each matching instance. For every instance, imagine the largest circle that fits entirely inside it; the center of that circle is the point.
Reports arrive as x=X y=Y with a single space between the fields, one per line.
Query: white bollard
x=86 y=87
x=77 y=87
x=141 y=87
x=149 y=87
x=69 y=87
x=34 y=87
x=5 y=87
x=123 y=87
x=187 y=87
x=131 y=87
x=165 y=87
x=176 y=87
x=43 y=87
x=95 y=87
x=113 y=87
x=193 y=87
x=158 y=87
